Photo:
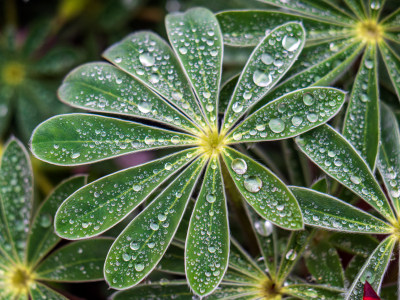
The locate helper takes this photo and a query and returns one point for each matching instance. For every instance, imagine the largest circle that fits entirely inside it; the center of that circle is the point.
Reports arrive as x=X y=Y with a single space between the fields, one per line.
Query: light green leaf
x=140 y=247
x=101 y=87
x=78 y=261
x=103 y=203
x=148 y=58
x=358 y=8
x=289 y=115
x=40 y=292
x=373 y=269
x=206 y=255
x=312 y=291
x=173 y=260
x=337 y=157
x=197 y=40
x=42 y=237
x=392 y=21
x=361 y=124
x=248 y=27
x=74 y=139
x=358 y=244
x=294 y=250
x=323 y=210
x=392 y=62
x=16 y=193
x=265 y=192
x=389 y=155
x=268 y=63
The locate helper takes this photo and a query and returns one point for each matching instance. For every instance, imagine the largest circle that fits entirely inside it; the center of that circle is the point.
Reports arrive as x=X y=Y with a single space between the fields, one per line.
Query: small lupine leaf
x=337 y=157
x=173 y=260
x=103 y=203
x=392 y=62
x=16 y=193
x=206 y=255
x=392 y=21
x=323 y=210
x=141 y=245
x=235 y=291
x=158 y=290
x=361 y=124
x=248 y=27
x=358 y=244
x=294 y=250
x=358 y=8
x=197 y=40
x=149 y=59
x=101 y=87
x=353 y=267
x=312 y=291
x=323 y=262
x=226 y=92
x=373 y=269
x=289 y=115
x=74 y=139
x=268 y=63
x=389 y=155
x=42 y=237
x=314 y=9
x=77 y=261
x=265 y=192
x=266 y=238
x=39 y=292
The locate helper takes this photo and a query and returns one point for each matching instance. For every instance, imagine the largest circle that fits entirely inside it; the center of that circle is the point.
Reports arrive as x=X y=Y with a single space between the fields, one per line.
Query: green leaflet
x=389 y=155
x=353 y=267
x=103 y=203
x=158 y=69
x=36 y=36
x=392 y=21
x=42 y=237
x=268 y=63
x=392 y=62
x=357 y=244
x=323 y=210
x=358 y=8
x=41 y=292
x=5 y=108
x=173 y=260
x=233 y=291
x=197 y=40
x=265 y=192
x=373 y=269
x=141 y=245
x=101 y=87
x=337 y=157
x=159 y=290
x=375 y=8
x=206 y=255
x=226 y=92
x=361 y=124
x=308 y=292
x=16 y=193
x=289 y=115
x=74 y=139
x=248 y=27
x=78 y=261
x=233 y=275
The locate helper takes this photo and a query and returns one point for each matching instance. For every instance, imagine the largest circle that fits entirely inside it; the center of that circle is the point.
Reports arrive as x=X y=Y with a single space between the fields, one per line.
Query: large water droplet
x=276 y=125
x=211 y=249
x=253 y=184
x=75 y=155
x=134 y=246
x=239 y=166
x=263 y=228
x=145 y=107
x=139 y=267
x=154 y=226
x=290 y=43
x=262 y=79
x=267 y=59
x=45 y=220
x=210 y=198
x=291 y=255
x=237 y=107
x=146 y=59
x=308 y=99
x=183 y=50
x=355 y=179
x=296 y=120
x=126 y=257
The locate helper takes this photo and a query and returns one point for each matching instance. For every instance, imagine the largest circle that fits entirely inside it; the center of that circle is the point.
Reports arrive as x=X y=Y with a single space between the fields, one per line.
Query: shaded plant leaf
x=392 y=21
x=392 y=62
x=308 y=292
x=41 y=291
x=226 y=92
x=173 y=260
x=358 y=244
x=353 y=267
x=358 y=8
x=233 y=291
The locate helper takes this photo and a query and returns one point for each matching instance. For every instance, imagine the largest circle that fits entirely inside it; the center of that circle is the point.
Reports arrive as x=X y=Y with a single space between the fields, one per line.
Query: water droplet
x=162 y=217
x=211 y=249
x=210 y=198
x=291 y=255
x=364 y=98
x=75 y=155
x=267 y=59
x=247 y=95
x=262 y=79
x=149 y=140
x=312 y=118
x=118 y=60
x=239 y=166
x=296 y=120
x=139 y=267
x=263 y=227
x=45 y=220
x=253 y=184
x=290 y=43
x=145 y=107
x=308 y=99
x=134 y=246
x=183 y=50
x=206 y=95
x=126 y=257
x=276 y=125
x=137 y=187
x=177 y=96
x=355 y=179
x=369 y=64
x=237 y=107
x=168 y=166
x=237 y=136
x=146 y=59
x=154 y=78
x=175 y=139
x=154 y=226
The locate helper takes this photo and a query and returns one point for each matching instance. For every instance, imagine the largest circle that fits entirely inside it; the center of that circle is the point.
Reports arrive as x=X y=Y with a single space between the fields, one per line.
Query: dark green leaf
x=40 y=291
x=358 y=244
x=309 y=292
x=353 y=267
x=173 y=261
x=392 y=62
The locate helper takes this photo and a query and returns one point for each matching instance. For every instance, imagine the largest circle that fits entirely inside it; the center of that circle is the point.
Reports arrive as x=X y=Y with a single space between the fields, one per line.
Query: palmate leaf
x=337 y=157
x=101 y=204
x=207 y=242
x=289 y=115
x=308 y=292
x=147 y=57
x=268 y=63
x=392 y=62
x=373 y=269
x=200 y=52
x=265 y=192
x=141 y=245
x=361 y=124
x=101 y=87
x=82 y=138
x=43 y=292
x=322 y=210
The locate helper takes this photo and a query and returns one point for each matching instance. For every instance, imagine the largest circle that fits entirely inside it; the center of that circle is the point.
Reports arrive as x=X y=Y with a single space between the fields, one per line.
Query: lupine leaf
x=42 y=237
x=233 y=275
x=78 y=261
x=206 y=255
x=82 y=138
x=361 y=124
x=173 y=260
x=392 y=21
x=226 y=93
x=233 y=291
x=358 y=244
x=265 y=192
x=101 y=204
x=40 y=292
x=323 y=210
x=353 y=267
x=311 y=291
x=197 y=40
x=335 y=156
x=389 y=155
x=141 y=245
x=16 y=192
x=392 y=62
x=36 y=36
x=248 y=27
x=289 y=115
x=268 y=63
x=101 y=87
x=373 y=269
x=149 y=59
x=357 y=7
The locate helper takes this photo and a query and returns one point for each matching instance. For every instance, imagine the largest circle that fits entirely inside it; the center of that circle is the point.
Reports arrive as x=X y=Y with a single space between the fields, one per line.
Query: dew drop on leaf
x=239 y=166
x=154 y=226
x=267 y=58
x=291 y=255
x=126 y=257
x=237 y=107
x=146 y=59
x=290 y=43
x=263 y=227
x=139 y=267
x=276 y=125
x=262 y=79
x=211 y=249
x=144 y=107
x=253 y=184
x=45 y=220
x=134 y=246
x=308 y=99
x=210 y=198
